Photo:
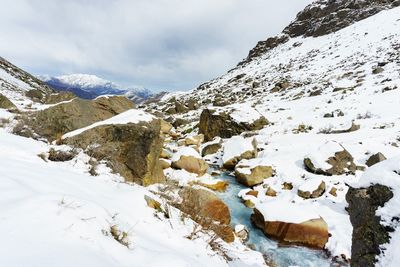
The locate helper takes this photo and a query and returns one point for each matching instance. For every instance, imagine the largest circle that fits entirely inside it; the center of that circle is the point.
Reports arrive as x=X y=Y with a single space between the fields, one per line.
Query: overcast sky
x=159 y=44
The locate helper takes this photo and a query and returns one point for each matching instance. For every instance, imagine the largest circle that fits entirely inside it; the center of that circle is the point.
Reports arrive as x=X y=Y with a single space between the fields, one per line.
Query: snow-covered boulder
x=330 y=159
x=313 y=188
x=189 y=159
x=229 y=121
x=236 y=149
x=308 y=232
x=252 y=172
x=130 y=142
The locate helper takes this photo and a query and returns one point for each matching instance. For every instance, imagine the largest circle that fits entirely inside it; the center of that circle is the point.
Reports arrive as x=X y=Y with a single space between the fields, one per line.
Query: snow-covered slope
x=363 y=55
x=90 y=86
x=16 y=84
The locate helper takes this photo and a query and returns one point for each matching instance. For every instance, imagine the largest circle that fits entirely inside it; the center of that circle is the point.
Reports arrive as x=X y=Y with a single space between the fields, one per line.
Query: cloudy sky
x=159 y=44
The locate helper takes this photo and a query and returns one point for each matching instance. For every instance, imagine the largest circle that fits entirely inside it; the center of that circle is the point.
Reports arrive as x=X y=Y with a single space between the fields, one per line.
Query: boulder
x=312 y=233
x=211 y=147
x=317 y=192
x=166 y=127
x=6 y=103
x=241 y=232
x=189 y=159
x=132 y=150
x=330 y=159
x=374 y=159
x=76 y=114
x=250 y=173
x=219 y=186
x=368 y=233
x=225 y=125
x=205 y=208
x=165 y=164
x=194 y=140
x=236 y=149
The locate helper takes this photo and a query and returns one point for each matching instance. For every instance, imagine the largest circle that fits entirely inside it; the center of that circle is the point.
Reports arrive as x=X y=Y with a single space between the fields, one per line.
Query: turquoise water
x=284 y=256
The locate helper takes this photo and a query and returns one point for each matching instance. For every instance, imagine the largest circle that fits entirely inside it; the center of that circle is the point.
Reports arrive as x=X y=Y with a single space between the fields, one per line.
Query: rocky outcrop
x=321 y=18
x=132 y=150
x=368 y=233
x=205 y=208
x=312 y=233
x=6 y=103
x=327 y=16
x=221 y=124
x=78 y=113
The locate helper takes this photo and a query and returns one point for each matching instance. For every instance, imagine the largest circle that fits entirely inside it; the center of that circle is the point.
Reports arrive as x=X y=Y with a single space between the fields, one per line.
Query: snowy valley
x=291 y=158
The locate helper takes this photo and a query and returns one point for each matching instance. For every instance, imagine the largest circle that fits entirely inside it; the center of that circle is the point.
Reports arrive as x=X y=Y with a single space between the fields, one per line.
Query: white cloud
x=161 y=44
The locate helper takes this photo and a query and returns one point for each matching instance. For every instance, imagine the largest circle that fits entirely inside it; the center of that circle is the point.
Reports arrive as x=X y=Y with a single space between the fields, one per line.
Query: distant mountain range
x=90 y=86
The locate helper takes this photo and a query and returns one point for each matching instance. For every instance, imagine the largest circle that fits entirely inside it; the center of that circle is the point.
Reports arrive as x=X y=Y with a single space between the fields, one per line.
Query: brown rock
x=6 y=103
x=312 y=233
x=132 y=150
x=205 y=208
x=191 y=164
x=78 y=113
x=374 y=159
x=314 y=194
x=222 y=125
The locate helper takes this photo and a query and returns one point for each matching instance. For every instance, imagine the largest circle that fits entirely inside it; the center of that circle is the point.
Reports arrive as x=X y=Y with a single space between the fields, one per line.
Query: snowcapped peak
x=85 y=81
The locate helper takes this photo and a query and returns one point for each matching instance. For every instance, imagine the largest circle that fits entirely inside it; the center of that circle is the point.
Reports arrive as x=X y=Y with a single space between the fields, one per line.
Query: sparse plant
x=302 y=128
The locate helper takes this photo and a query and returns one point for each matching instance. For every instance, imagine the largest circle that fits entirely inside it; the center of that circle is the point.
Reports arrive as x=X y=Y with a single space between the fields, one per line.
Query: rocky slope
x=327 y=86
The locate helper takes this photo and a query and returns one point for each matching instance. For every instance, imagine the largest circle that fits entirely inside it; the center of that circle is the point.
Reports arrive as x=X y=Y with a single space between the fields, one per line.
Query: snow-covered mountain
x=90 y=86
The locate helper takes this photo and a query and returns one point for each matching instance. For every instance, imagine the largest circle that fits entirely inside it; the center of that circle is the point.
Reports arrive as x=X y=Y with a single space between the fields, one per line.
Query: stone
x=314 y=194
x=166 y=127
x=237 y=149
x=252 y=176
x=333 y=191
x=205 y=208
x=287 y=186
x=312 y=233
x=271 y=192
x=368 y=233
x=132 y=150
x=6 y=103
x=165 y=164
x=190 y=162
x=223 y=125
x=219 y=186
x=194 y=140
x=341 y=162
x=242 y=233
x=152 y=203
x=374 y=159
x=211 y=148
x=165 y=154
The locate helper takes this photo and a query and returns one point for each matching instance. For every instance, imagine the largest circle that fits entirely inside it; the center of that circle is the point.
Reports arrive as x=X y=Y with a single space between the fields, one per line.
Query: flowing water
x=281 y=255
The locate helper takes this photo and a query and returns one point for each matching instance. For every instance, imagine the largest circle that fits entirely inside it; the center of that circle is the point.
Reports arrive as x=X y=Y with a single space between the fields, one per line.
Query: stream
x=283 y=256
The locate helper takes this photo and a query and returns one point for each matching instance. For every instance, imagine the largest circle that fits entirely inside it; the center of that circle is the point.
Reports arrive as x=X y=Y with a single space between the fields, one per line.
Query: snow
x=241 y=112
x=246 y=165
x=236 y=146
x=56 y=214
x=185 y=151
x=129 y=116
